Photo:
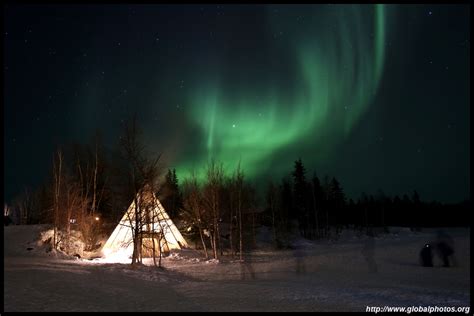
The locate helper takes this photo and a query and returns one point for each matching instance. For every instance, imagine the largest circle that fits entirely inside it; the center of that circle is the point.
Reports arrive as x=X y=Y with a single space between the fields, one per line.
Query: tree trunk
x=316 y=223
x=57 y=200
x=136 y=237
x=241 y=246
x=94 y=193
x=161 y=249
x=231 y=228
x=153 y=241
x=254 y=230
x=215 y=225
x=203 y=242
x=200 y=233
x=272 y=208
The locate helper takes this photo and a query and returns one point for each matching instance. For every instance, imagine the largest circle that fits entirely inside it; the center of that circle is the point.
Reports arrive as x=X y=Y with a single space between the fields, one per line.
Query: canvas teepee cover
x=155 y=222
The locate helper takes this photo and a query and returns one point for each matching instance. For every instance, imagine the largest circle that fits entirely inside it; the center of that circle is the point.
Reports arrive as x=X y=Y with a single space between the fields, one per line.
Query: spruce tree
x=300 y=194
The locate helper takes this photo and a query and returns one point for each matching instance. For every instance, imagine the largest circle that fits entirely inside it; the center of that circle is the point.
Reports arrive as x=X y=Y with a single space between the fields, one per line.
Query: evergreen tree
x=350 y=211
x=318 y=203
x=416 y=198
x=364 y=214
x=405 y=211
x=274 y=216
x=326 y=204
x=337 y=201
x=417 y=211
x=395 y=211
x=171 y=196
x=300 y=194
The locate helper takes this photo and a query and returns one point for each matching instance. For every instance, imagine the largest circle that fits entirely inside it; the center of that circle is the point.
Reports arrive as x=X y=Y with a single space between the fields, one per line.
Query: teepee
x=157 y=229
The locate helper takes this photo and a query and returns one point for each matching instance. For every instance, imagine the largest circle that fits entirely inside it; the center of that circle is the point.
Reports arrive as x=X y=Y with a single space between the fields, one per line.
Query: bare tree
x=232 y=209
x=73 y=203
x=142 y=177
x=245 y=209
x=212 y=196
x=239 y=184
x=94 y=190
x=193 y=208
x=25 y=203
x=57 y=173
x=272 y=195
x=90 y=181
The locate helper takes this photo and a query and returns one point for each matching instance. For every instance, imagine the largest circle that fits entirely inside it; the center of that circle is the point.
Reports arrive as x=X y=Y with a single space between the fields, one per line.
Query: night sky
x=377 y=96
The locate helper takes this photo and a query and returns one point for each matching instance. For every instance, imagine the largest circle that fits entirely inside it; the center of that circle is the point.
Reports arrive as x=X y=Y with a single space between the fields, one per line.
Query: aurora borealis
x=335 y=70
x=376 y=95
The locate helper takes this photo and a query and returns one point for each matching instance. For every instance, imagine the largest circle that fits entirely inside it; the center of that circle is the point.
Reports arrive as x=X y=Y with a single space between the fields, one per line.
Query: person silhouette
x=426 y=256
x=445 y=247
x=368 y=253
x=299 y=254
x=246 y=267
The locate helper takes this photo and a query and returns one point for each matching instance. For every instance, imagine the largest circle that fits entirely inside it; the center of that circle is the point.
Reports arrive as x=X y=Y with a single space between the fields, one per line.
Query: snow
x=312 y=276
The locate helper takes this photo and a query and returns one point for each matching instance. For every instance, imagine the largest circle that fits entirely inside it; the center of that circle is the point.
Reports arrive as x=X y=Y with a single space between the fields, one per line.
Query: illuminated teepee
x=157 y=230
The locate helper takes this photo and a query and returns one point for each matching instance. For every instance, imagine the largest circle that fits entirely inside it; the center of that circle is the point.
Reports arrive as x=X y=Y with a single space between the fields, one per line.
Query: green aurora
x=336 y=57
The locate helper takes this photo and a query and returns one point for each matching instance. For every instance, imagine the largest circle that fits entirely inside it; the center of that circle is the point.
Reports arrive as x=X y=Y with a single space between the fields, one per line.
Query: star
x=430 y=12
x=233 y=125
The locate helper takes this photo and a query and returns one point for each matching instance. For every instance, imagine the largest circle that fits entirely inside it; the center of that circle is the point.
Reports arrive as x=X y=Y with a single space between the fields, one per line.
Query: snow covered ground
x=344 y=275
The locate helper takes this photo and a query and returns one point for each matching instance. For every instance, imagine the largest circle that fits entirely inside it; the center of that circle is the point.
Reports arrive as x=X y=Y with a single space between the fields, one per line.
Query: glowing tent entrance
x=157 y=229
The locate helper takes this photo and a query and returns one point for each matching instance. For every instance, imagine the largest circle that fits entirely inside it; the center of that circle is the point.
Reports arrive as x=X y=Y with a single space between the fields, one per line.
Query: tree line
x=318 y=208
x=91 y=187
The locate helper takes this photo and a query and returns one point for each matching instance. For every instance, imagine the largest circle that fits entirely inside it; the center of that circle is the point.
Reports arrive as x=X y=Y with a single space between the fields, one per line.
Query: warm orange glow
x=96 y=218
x=119 y=246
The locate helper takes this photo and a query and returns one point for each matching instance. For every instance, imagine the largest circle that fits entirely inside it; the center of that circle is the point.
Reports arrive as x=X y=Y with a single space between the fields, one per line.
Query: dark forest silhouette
x=223 y=213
